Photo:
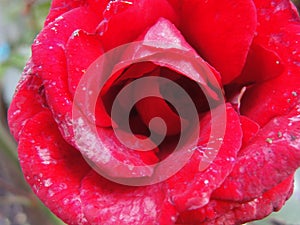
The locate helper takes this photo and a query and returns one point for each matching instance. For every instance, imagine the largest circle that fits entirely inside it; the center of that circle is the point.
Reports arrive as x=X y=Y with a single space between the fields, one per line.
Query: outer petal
x=109 y=203
x=224 y=212
x=53 y=169
x=65 y=183
x=279 y=31
x=222 y=33
x=273 y=98
x=275 y=150
x=281 y=12
x=49 y=56
x=30 y=92
x=59 y=7
x=276 y=147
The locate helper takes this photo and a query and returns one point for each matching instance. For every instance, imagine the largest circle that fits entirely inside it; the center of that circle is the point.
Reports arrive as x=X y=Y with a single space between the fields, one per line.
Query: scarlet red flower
x=234 y=66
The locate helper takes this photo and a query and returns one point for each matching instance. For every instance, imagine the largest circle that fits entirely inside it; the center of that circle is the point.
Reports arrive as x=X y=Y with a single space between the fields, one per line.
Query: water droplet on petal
x=113 y=7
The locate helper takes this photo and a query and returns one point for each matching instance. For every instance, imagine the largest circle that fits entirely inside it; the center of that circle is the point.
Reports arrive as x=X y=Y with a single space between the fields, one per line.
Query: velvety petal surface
x=125 y=21
x=105 y=202
x=50 y=58
x=278 y=31
x=52 y=168
x=82 y=49
x=30 y=87
x=166 y=35
x=251 y=47
x=274 y=149
x=221 y=33
x=191 y=188
x=63 y=180
x=225 y=212
x=59 y=7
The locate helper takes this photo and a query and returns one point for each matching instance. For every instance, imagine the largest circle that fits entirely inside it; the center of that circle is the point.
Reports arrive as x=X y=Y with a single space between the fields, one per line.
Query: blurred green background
x=20 y=22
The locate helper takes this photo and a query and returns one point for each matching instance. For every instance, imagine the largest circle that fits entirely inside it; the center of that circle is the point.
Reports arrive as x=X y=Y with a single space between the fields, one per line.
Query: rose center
x=159 y=108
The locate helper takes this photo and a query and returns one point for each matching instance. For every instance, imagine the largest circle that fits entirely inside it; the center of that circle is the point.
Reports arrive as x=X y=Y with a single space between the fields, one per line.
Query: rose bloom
x=250 y=85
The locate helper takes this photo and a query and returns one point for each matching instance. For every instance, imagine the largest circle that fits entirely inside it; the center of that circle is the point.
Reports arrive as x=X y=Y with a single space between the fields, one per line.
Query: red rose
x=223 y=76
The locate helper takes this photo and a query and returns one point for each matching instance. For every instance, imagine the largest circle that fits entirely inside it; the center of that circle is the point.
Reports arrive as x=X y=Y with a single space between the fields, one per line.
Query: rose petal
x=113 y=86
x=105 y=202
x=30 y=92
x=152 y=107
x=191 y=188
x=52 y=168
x=220 y=212
x=281 y=12
x=264 y=101
x=82 y=50
x=279 y=34
x=250 y=129
x=121 y=160
x=98 y=6
x=59 y=7
x=261 y=65
x=270 y=201
x=164 y=39
x=133 y=71
x=49 y=57
x=275 y=148
x=224 y=41
x=125 y=25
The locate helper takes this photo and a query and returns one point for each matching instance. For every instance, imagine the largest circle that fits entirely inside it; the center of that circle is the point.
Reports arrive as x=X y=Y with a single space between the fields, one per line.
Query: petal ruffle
x=224 y=212
x=109 y=203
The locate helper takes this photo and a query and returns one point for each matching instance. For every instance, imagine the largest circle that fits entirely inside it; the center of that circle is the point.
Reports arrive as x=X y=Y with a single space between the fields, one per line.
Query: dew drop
x=269 y=140
x=102 y=27
x=173 y=218
x=75 y=33
x=114 y=7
